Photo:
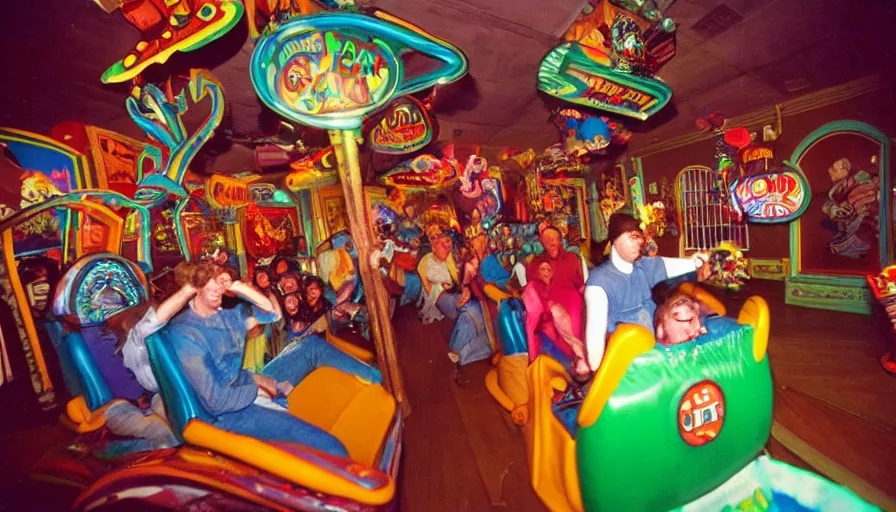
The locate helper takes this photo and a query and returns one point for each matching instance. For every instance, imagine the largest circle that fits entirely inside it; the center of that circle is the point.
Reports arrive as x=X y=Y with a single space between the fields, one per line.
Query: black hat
x=621 y=223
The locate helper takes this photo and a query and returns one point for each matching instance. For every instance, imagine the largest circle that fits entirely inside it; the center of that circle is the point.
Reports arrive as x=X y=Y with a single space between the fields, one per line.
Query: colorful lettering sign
x=771 y=197
x=224 y=192
x=329 y=70
x=701 y=413
x=584 y=76
x=405 y=127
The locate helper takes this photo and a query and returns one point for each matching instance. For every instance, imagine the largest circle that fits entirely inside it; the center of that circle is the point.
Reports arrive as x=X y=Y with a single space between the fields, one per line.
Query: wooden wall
x=772 y=240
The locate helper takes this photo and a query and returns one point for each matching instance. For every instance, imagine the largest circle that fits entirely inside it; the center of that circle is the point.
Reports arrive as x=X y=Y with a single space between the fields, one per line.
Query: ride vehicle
x=669 y=428
x=209 y=466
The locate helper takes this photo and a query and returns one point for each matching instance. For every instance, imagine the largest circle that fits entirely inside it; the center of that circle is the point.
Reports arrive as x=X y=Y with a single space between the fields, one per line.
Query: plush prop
x=584 y=134
x=728 y=267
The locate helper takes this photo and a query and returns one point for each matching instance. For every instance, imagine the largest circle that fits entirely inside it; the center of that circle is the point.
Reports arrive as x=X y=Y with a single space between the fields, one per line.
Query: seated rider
x=448 y=294
x=209 y=342
x=620 y=290
x=129 y=374
x=560 y=302
x=312 y=312
x=554 y=319
x=679 y=320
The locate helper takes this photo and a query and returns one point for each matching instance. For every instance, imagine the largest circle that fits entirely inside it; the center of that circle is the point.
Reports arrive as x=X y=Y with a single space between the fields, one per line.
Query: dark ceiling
x=734 y=56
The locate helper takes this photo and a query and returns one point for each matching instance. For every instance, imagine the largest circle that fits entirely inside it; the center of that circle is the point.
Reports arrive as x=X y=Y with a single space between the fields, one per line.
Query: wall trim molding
x=806 y=103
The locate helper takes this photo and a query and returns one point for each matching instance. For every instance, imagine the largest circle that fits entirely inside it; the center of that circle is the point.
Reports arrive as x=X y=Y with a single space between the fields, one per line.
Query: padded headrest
x=98 y=287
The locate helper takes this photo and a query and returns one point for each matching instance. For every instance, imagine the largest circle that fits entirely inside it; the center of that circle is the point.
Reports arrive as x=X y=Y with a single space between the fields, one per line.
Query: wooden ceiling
x=734 y=56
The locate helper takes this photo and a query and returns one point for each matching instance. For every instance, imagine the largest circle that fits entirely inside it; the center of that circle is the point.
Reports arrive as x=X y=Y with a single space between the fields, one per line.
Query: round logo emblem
x=701 y=413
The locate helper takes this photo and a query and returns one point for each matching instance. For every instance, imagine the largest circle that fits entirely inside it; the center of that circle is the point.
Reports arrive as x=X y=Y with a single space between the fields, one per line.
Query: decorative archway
x=845 y=232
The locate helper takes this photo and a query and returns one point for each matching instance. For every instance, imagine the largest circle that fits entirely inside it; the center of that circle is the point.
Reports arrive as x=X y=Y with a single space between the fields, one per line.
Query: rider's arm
x=597 y=307
x=173 y=304
x=264 y=309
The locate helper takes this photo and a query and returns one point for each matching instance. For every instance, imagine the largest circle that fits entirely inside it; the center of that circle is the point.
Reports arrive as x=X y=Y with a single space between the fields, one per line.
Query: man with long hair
x=209 y=342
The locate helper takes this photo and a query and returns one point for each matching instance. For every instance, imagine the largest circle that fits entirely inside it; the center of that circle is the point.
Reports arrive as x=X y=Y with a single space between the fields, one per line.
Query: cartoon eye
x=293 y=78
x=207 y=12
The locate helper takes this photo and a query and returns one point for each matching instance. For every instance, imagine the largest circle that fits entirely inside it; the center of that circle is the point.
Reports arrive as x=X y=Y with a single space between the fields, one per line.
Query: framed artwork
x=65 y=168
x=377 y=208
x=566 y=198
x=114 y=157
x=330 y=215
x=52 y=169
x=844 y=233
x=613 y=191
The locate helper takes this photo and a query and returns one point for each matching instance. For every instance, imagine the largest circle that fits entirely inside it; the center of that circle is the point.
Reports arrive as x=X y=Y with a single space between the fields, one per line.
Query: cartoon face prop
x=39 y=276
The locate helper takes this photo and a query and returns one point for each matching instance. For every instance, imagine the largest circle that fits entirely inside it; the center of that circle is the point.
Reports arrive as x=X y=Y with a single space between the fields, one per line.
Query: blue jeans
x=297 y=361
x=272 y=425
x=293 y=365
x=469 y=339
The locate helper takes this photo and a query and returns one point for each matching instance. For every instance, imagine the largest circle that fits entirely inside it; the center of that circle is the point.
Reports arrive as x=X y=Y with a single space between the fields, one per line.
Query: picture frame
x=115 y=157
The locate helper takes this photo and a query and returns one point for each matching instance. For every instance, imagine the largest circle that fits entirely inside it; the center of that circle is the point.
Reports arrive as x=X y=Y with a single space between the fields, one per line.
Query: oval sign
x=329 y=70
x=771 y=197
x=701 y=413
x=405 y=127
x=330 y=73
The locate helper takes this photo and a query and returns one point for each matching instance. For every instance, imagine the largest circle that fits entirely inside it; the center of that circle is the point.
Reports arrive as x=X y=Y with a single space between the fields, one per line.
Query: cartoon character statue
x=852 y=208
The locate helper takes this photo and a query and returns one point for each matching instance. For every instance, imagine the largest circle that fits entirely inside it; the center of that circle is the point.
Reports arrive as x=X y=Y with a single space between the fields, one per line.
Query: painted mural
x=840 y=229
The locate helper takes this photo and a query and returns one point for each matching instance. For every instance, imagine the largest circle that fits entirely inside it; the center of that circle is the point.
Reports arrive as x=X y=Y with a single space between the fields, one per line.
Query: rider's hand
x=266 y=384
x=285 y=388
x=701 y=260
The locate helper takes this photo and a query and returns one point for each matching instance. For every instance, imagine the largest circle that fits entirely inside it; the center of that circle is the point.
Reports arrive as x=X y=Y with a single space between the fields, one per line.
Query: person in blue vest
x=620 y=290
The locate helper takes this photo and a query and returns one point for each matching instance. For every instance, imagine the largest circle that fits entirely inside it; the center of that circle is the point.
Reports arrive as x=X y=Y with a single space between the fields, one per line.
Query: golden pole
x=346 y=149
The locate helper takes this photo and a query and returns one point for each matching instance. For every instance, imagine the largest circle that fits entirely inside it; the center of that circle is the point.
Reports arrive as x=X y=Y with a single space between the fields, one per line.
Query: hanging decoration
x=330 y=70
x=584 y=134
x=424 y=172
x=169 y=27
x=172 y=149
x=610 y=57
x=404 y=127
x=317 y=171
x=767 y=192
